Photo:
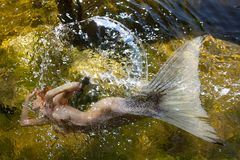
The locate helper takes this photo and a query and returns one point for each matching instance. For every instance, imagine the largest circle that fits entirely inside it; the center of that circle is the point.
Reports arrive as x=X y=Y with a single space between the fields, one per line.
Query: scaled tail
x=173 y=95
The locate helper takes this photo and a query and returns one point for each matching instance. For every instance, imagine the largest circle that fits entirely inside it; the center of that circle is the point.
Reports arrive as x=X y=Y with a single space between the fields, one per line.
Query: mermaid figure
x=172 y=96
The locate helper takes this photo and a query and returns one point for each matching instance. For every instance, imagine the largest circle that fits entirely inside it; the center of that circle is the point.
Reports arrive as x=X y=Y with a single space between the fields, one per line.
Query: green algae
x=23 y=15
x=22 y=52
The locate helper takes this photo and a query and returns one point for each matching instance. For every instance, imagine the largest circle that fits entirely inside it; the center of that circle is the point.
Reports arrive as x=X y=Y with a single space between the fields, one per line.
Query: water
x=112 y=40
x=32 y=54
x=162 y=19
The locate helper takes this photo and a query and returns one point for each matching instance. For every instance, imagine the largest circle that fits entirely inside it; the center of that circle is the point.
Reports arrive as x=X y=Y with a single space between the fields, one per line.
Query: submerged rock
x=23 y=16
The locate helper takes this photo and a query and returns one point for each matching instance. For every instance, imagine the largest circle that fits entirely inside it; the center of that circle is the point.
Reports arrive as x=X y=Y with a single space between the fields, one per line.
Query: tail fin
x=177 y=88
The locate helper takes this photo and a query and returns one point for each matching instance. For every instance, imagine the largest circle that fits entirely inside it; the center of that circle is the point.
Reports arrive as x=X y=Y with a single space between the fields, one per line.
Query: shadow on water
x=162 y=19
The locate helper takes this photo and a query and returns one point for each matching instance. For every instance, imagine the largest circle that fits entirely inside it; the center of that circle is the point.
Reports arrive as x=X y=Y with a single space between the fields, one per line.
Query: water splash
x=112 y=40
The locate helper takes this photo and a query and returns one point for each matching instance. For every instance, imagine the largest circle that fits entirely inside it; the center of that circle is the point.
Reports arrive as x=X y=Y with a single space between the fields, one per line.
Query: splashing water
x=112 y=40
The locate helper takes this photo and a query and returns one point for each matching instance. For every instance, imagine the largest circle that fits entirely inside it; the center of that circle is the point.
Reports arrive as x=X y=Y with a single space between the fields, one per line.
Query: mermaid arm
x=34 y=122
x=69 y=87
x=65 y=91
x=25 y=120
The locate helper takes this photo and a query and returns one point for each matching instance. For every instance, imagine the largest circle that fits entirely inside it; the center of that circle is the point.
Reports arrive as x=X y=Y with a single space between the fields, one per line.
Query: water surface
x=32 y=55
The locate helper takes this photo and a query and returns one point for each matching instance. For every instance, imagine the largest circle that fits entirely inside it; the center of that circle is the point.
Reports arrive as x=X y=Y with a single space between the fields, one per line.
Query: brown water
x=31 y=55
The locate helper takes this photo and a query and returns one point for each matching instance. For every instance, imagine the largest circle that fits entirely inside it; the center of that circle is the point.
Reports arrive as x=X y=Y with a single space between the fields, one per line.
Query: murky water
x=34 y=53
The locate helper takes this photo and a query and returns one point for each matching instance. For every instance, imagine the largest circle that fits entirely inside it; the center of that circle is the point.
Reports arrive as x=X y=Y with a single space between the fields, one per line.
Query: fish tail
x=173 y=95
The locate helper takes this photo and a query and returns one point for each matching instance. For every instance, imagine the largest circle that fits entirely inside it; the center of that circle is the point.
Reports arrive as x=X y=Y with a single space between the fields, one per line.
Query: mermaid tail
x=173 y=95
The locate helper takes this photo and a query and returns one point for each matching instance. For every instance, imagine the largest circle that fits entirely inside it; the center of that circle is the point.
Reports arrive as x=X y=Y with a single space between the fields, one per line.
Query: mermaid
x=172 y=96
